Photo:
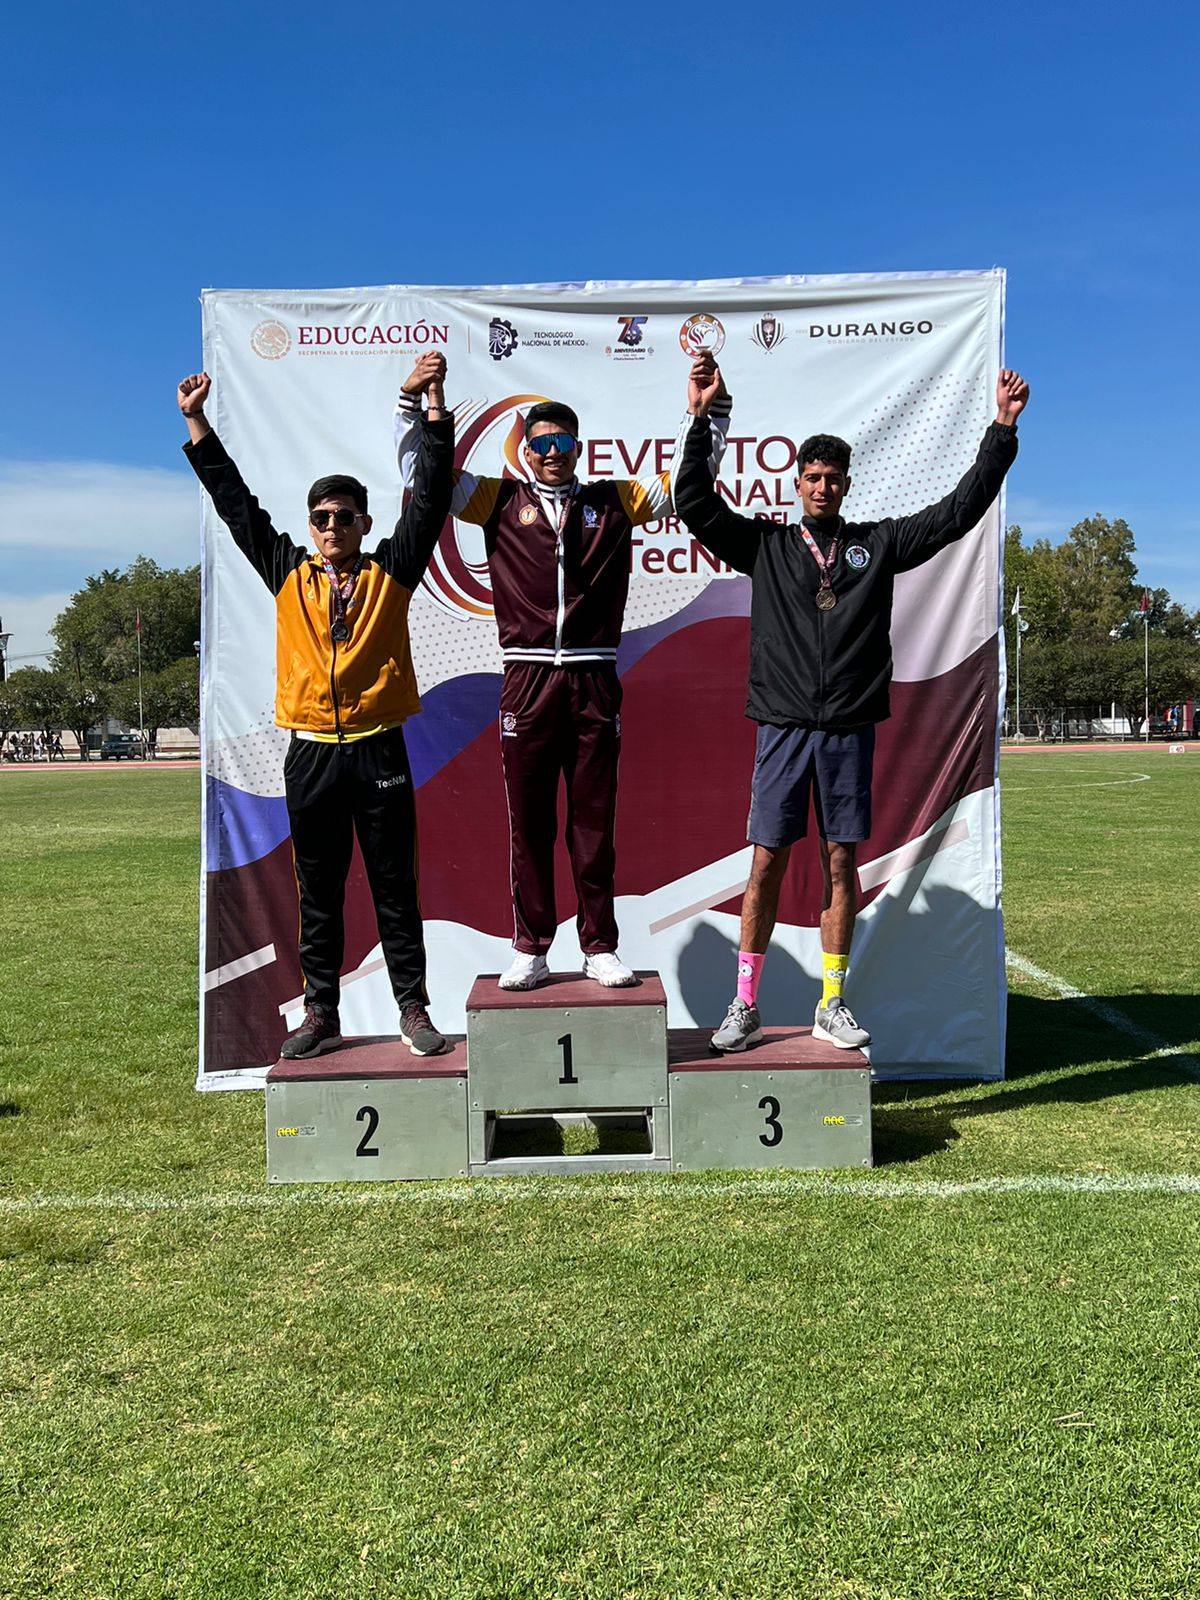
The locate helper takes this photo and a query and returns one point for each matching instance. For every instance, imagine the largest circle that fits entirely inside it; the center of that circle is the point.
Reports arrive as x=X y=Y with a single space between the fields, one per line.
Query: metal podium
x=569 y=1054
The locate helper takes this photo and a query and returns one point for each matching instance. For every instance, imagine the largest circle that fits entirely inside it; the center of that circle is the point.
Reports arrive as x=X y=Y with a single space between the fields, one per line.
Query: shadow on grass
x=1053 y=1039
x=898 y=1139
x=9 y=1108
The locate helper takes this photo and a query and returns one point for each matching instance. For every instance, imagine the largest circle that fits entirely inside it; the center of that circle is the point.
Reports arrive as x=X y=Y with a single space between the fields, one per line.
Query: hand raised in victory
x=193 y=392
x=705 y=383
x=1012 y=396
x=430 y=368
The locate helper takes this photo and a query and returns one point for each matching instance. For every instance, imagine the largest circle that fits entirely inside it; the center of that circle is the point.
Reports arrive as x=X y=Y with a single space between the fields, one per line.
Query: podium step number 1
x=568 y=1047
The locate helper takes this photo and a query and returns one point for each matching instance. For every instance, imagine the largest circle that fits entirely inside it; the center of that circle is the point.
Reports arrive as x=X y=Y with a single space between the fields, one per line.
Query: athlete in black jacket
x=820 y=670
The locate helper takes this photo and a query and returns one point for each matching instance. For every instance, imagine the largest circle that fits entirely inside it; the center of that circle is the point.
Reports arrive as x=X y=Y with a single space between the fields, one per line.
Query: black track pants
x=334 y=791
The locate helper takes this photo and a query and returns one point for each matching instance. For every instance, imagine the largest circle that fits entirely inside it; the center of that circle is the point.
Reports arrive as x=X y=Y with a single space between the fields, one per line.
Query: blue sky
x=149 y=151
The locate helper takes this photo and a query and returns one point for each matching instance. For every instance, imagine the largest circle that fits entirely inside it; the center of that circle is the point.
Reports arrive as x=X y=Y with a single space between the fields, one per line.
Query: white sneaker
x=608 y=968
x=526 y=972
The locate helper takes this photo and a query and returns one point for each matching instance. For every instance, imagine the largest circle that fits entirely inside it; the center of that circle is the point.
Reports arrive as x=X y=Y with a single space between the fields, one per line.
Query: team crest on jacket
x=858 y=557
x=527 y=514
x=590 y=516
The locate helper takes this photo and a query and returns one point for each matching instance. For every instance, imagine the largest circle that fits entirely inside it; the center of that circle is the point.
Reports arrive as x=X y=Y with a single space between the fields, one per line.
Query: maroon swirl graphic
x=458 y=585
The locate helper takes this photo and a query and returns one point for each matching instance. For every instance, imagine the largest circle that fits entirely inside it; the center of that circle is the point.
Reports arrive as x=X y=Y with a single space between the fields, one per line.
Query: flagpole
x=141 y=714
x=1146 y=632
x=1016 y=611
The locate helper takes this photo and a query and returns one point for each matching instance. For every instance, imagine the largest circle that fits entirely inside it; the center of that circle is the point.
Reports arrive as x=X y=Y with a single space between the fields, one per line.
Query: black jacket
x=828 y=669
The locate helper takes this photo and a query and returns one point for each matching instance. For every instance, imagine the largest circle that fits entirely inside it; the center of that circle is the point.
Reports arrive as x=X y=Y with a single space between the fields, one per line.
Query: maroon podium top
x=563 y=989
x=373 y=1056
x=782 y=1050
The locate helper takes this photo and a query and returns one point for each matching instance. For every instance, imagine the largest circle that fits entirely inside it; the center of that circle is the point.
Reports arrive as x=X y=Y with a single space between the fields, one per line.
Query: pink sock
x=749 y=971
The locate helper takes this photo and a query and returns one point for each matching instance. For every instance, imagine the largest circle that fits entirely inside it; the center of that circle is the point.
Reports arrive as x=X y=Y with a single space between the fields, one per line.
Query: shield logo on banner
x=768 y=332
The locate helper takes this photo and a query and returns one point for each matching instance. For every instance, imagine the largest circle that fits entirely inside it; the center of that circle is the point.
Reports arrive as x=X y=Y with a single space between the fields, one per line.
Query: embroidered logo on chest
x=591 y=517
x=858 y=557
x=527 y=514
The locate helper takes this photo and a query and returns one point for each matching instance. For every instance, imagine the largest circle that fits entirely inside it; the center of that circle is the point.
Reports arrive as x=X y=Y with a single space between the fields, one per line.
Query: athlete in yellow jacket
x=344 y=686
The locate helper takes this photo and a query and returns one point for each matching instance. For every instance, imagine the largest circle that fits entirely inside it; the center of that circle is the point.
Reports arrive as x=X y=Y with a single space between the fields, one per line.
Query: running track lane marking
x=505 y=1191
x=1154 y=1045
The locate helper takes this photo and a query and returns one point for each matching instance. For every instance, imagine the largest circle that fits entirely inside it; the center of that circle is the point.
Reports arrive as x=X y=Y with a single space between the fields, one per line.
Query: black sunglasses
x=343 y=517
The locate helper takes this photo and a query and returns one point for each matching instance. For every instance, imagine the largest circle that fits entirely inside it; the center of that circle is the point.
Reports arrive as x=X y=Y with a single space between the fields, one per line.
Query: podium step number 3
x=790 y=1102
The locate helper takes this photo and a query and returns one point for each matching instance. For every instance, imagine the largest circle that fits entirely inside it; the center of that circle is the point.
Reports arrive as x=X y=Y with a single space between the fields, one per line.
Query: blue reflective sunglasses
x=543 y=443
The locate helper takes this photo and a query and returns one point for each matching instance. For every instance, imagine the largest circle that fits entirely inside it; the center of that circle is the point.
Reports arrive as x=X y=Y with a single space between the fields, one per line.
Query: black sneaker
x=320 y=1030
x=418 y=1033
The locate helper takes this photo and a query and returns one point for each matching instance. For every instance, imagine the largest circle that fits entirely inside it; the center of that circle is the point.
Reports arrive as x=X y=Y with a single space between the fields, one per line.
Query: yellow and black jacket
x=327 y=689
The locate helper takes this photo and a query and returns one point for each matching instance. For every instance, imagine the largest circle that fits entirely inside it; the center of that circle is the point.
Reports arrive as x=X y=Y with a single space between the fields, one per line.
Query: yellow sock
x=834 y=968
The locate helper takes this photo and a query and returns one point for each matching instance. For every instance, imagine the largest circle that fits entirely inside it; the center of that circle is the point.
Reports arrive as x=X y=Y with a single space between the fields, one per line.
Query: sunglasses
x=543 y=443
x=341 y=518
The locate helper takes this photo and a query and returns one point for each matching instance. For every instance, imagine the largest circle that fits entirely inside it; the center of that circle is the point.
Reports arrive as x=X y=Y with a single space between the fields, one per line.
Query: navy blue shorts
x=790 y=764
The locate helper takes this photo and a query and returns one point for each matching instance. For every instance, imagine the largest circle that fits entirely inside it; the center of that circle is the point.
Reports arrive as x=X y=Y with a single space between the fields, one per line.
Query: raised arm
x=917 y=538
x=734 y=539
x=653 y=496
x=273 y=555
x=472 y=499
x=406 y=554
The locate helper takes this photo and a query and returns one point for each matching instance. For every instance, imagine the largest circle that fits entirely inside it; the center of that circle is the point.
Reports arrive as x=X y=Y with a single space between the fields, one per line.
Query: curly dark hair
x=825 y=447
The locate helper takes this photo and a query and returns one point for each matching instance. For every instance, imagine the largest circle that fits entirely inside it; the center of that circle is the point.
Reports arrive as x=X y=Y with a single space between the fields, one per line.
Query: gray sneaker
x=836 y=1025
x=742 y=1027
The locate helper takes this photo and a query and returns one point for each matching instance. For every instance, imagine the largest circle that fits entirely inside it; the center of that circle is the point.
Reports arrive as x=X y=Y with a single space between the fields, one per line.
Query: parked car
x=121 y=746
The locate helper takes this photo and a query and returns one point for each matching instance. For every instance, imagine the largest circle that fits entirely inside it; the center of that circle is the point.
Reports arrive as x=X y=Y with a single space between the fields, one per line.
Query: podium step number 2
x=370 y=1112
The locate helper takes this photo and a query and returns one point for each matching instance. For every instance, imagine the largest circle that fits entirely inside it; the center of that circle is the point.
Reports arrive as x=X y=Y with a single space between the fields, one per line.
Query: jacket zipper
x=337 y=716
x=549 y=504
x=562 y=597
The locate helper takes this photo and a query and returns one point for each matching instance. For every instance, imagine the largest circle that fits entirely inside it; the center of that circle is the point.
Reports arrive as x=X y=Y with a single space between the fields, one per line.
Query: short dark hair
x=551 y=411
x=825 y=447
x=338 y=483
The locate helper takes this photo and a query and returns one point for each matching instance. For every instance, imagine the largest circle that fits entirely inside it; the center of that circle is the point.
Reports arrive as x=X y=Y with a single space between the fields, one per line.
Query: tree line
x=1084 y=645
x=92 y=673
x=1081 y=600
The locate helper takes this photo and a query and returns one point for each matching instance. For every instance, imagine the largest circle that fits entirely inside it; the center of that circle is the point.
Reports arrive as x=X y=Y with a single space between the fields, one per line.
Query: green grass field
x=972 y=1372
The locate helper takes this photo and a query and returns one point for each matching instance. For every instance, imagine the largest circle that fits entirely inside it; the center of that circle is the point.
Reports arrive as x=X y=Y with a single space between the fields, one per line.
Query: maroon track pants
x=561 y=722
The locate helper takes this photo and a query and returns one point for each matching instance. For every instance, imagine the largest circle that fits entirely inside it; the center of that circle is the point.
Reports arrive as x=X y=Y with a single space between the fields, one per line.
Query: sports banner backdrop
x=903 y=366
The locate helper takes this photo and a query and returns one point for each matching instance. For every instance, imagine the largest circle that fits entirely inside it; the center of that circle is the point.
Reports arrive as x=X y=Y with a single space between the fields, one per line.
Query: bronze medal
x=826 y=599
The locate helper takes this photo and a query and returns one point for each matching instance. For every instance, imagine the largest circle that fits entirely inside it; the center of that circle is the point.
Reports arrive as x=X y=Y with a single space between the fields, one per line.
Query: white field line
x=1152 y=1044
x=505 y=1191
x=1101 y=783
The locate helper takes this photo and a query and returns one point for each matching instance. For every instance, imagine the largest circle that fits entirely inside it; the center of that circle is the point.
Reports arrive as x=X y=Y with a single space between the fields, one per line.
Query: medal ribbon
x=342 y=590
x=825 y=563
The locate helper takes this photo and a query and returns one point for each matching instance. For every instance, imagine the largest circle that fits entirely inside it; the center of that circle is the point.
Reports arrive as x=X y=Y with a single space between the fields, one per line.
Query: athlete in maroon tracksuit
x=559 y=556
